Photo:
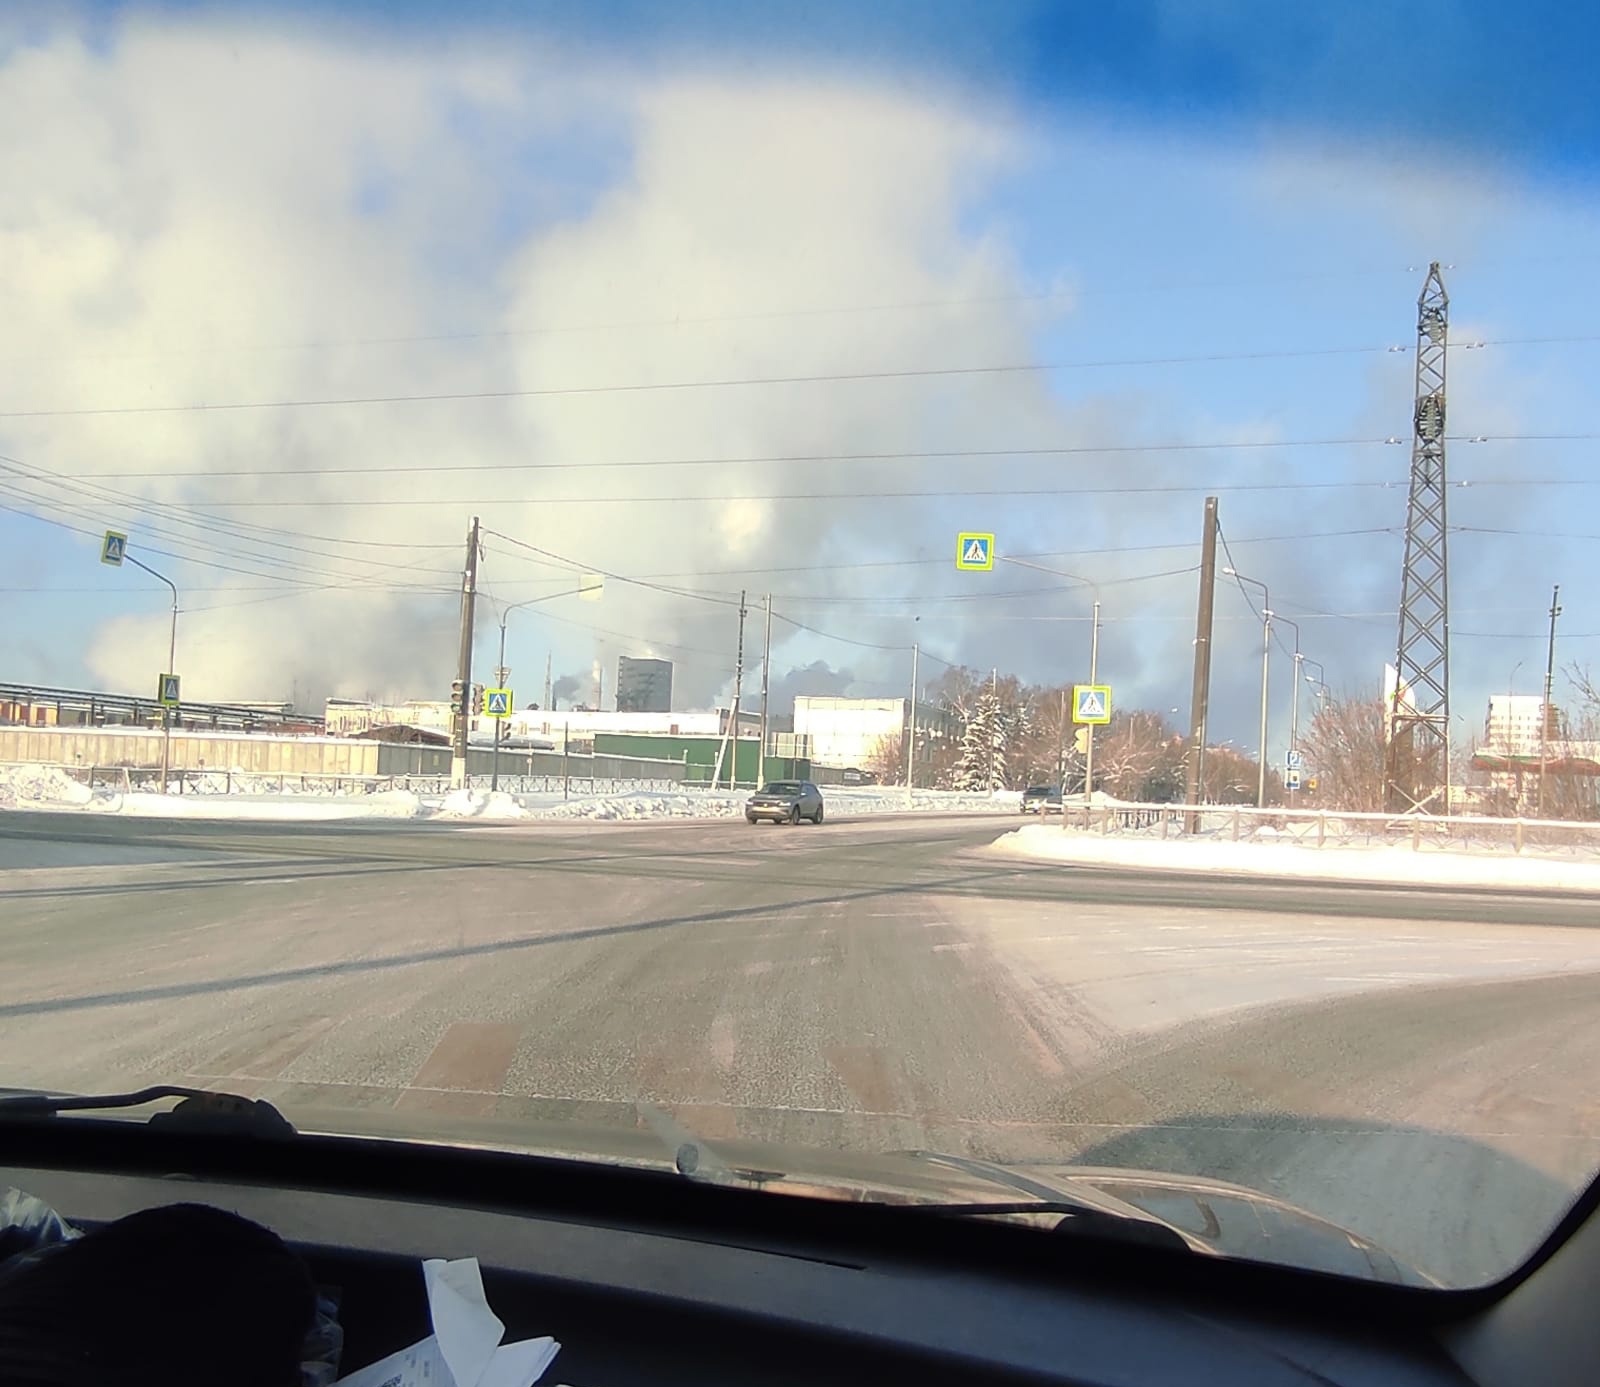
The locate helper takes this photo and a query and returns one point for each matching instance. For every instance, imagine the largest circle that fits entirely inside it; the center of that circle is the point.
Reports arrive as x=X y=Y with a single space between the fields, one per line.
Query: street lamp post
x=590 y=590
x=1266 y=670
x=172 y=659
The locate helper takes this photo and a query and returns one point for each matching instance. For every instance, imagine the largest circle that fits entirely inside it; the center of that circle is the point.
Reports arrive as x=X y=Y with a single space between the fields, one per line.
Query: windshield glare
x=1125 y=494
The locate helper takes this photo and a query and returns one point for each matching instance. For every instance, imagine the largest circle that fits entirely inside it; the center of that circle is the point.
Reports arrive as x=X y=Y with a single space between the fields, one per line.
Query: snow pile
x=690 y=804
x=1282 y=857
x=480 y=804
x=40 y=787
x=389 y=804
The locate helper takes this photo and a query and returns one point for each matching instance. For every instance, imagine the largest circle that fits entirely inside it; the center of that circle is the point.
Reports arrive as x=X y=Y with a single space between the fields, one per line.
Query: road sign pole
x=500 y=679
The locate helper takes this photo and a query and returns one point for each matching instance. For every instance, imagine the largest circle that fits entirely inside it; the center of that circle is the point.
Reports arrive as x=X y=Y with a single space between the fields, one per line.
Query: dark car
x=785 y=801
x=1041 y=800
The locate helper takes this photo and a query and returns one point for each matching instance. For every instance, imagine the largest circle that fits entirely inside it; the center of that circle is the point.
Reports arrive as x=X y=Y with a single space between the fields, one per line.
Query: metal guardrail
x=1331 y=827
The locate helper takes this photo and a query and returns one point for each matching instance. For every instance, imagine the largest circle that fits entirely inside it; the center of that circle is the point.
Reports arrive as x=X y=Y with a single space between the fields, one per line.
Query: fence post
x=1416 y=834
x=1322 y=829
x=1236 y=823
x=1166 y=820
x=1518 y=838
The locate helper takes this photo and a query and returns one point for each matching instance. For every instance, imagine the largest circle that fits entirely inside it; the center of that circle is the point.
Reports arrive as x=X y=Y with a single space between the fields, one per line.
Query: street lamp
x=1094 y=678
x=1320 y=683
x=1266 y=666
x=590 y=586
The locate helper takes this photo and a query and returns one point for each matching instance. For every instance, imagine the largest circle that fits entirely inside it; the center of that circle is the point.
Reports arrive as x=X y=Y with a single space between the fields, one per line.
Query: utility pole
x=1088 y=741
x=1200 y=693
x=766 y=684
x=738 y=687
x=463 y=718
x=1266 y=671
x=1549 y=688
x=911 y=740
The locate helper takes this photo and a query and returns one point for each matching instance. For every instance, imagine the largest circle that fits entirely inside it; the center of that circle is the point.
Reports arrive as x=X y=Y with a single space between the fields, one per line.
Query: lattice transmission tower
x=1417 y=771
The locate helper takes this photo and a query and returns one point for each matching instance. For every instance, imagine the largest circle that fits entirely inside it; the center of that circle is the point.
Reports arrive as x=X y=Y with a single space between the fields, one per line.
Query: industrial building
x=643 y=685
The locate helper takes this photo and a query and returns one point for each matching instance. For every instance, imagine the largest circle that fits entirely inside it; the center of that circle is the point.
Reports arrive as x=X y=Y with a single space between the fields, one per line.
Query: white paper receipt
x=464 y=1349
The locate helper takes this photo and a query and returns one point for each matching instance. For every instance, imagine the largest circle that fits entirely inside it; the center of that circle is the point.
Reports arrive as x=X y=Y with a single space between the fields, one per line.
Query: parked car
x=1041 y=800
x=785 y=801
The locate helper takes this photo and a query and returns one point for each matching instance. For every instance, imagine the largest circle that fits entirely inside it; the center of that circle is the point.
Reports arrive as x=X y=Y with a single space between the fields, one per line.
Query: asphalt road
x=1414 y=1063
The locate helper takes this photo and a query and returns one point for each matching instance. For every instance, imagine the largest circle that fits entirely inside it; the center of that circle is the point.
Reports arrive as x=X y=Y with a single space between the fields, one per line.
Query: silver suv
x=785 y=801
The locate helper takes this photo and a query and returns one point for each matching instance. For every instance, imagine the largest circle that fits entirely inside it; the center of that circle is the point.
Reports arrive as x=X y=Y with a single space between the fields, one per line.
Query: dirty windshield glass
x=1125 y=473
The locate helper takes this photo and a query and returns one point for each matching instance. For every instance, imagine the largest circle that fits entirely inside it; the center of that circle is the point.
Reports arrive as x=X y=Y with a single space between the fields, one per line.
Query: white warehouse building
x=847 y=732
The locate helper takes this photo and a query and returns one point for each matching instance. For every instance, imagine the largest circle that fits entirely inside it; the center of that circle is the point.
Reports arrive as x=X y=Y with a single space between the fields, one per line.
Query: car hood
x=1213 y=1217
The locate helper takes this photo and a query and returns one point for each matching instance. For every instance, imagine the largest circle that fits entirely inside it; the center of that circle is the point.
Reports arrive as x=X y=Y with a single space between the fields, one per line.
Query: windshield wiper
x=1075 y=1218
x=198 y=1109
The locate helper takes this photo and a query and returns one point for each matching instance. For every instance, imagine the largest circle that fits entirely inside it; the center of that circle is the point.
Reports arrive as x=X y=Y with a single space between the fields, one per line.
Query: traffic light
x=457 y=690
x=1080 y=741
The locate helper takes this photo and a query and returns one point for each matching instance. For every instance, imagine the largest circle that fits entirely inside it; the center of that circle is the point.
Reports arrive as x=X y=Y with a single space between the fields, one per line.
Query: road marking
x=721 y=1041
x=471 y=1058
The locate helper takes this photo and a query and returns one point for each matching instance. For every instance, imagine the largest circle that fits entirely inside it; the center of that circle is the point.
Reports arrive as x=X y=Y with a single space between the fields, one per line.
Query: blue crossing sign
x=975 y=551
x=167 y=690
x=114 y=548
x=1091 y=704
x=497 y=703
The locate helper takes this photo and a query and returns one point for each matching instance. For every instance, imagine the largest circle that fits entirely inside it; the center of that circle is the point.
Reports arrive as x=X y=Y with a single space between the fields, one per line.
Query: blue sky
x=1141 y=185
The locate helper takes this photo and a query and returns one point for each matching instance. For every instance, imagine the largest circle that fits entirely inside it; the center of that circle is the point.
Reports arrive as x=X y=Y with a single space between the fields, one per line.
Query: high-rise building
x=643 y=685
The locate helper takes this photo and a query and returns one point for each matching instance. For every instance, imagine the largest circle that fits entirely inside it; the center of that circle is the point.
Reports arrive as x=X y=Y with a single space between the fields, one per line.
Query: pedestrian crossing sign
x=497 y=703
x=975 y=551
x=114 y=548
x=1091 y=704
x=167 y=690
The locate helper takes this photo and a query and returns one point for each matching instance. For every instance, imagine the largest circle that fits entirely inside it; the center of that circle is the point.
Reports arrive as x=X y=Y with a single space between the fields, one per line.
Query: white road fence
x=1333 y=828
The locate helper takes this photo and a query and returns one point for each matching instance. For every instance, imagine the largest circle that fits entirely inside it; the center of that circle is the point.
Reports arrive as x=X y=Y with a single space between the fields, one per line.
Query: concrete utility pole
x=1200 y=691
x=766 y=684
x=738 y=687
x=463 y=718
x=1549 y=688
x=911 y=739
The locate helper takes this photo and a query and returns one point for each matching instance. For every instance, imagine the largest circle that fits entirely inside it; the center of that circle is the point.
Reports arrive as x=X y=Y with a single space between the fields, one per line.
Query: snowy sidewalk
x=1384 y=864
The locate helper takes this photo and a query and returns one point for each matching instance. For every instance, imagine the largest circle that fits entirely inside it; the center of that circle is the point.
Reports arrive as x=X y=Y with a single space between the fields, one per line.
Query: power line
x=387 y=469
x=739 y=382
x=681 y=320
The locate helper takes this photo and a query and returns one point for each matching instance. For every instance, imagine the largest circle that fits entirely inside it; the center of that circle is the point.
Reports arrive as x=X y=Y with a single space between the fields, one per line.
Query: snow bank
x=1394 y=864
x=388 y=804
x=40 y=787
x=480 y=804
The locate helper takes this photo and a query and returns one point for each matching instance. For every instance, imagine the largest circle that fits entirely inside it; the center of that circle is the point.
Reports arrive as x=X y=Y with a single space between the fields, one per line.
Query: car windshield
x=1119 y=477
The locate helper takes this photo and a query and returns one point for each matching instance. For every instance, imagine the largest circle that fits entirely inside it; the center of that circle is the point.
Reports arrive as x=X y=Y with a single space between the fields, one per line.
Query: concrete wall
x=317 y=756
x=221 y=751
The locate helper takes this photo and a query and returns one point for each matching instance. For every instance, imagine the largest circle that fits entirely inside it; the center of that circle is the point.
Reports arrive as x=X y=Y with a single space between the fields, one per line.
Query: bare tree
x=887 y=758
x=1344 y=749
